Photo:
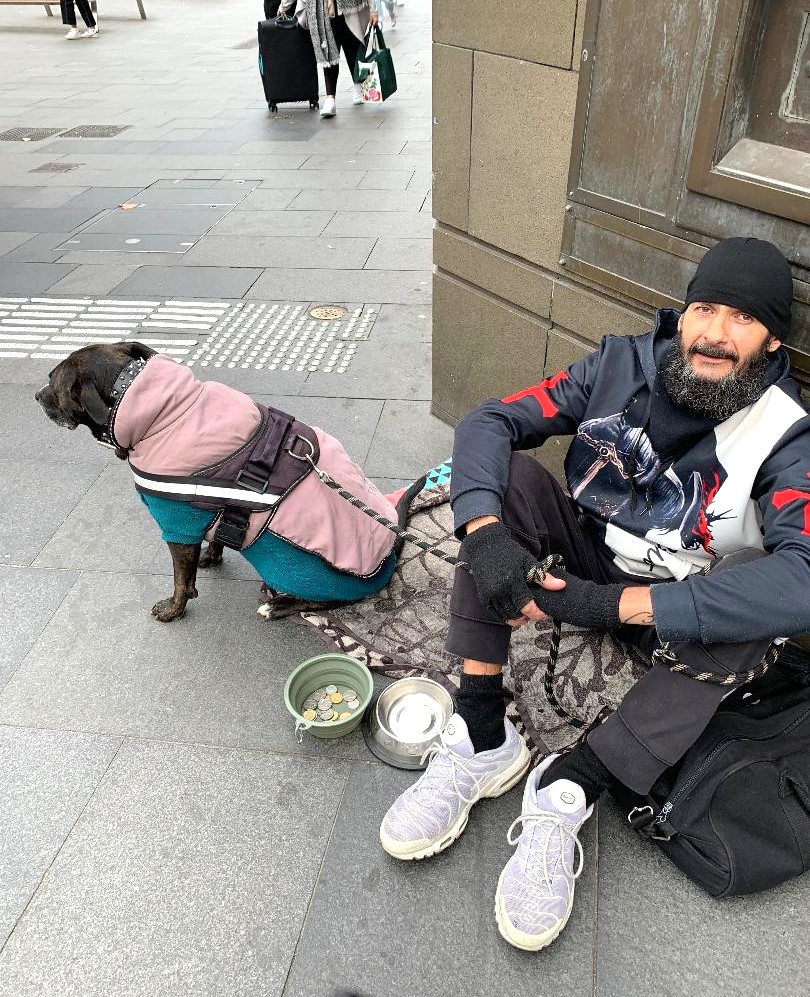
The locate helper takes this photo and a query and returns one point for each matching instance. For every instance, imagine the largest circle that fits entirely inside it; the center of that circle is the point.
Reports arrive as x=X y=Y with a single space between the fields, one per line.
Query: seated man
x=690 y=445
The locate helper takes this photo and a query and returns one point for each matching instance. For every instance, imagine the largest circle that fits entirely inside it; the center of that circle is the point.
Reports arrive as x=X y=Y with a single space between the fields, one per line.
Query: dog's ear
x=93 y=404
x=139 y=352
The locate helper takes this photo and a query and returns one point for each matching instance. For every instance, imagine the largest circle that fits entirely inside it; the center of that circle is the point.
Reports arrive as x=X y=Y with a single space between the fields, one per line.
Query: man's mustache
x=712 y=350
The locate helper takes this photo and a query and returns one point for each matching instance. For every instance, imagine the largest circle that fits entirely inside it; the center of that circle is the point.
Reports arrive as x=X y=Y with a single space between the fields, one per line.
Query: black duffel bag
x=734 y=815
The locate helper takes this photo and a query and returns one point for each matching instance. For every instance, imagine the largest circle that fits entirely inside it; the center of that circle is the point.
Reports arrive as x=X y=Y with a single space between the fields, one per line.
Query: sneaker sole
x=495 y=787
x=520 y=939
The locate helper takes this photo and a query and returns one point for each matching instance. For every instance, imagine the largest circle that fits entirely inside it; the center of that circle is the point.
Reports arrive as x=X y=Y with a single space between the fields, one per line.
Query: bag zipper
x=669 y=805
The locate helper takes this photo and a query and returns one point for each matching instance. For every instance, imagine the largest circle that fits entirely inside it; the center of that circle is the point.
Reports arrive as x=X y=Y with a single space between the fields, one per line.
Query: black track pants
x=349 y=45
x=69 y=12
x=664 y=713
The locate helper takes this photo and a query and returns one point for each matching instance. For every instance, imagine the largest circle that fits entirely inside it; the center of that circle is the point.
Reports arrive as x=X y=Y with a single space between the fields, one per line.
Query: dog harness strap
x=255 y=478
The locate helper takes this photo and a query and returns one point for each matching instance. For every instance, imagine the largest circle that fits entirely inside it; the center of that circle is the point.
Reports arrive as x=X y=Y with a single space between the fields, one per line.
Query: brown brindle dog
x=78 y=394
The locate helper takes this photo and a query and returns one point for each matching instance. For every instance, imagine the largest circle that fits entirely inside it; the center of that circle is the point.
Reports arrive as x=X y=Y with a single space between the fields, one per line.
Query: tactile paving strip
x=246 y=335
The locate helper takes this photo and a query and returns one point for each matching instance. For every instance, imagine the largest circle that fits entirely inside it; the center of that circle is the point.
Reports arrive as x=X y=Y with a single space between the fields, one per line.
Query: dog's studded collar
x=119 y=389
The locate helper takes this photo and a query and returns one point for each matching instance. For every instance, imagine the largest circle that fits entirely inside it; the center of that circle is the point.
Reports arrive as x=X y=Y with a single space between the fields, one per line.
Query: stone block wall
x=505 y=313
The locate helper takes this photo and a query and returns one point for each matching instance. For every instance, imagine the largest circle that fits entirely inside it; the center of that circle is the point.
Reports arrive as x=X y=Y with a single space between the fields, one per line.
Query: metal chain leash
x=536 y=575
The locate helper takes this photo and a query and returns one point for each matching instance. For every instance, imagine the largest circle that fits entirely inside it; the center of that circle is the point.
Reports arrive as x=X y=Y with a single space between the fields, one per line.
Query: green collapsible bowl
x=320 y=671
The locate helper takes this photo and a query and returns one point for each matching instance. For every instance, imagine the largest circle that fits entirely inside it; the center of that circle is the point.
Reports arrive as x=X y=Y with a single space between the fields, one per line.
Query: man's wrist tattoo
x=644 y=619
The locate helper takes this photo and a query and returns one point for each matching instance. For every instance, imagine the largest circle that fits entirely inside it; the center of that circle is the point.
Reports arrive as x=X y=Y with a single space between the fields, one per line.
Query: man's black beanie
x=749 y=274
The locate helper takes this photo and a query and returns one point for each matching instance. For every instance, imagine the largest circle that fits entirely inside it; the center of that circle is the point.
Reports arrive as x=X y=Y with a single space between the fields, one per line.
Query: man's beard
x=716 y=398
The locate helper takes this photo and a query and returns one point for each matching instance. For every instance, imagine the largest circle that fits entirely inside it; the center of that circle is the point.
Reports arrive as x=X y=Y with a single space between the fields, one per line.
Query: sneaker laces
x=430 y=789
x=540 y=874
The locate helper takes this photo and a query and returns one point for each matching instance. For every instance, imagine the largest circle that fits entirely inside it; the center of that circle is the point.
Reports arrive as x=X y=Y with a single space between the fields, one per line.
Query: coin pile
x=331 y=704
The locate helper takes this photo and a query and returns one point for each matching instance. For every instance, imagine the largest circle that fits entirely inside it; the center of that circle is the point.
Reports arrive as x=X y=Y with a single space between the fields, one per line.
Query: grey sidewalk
x=161 y=830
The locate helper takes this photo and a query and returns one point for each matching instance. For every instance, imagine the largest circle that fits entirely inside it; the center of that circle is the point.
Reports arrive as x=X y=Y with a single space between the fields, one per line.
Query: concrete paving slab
x=403 y=324
x=30 y=597
x=405 y=287
x=10 y=240
x=198 y=861
x=46 y=780
x=33 y=513
x=426 y=929
x=400 y=371
x=274 y=223
x=41 y=248
x=63 y=219
x=163 y=220
x=378 y=223
x=214 y=677
x=93 y=279
x=401 y=254
x=88 y=240
x=30 y=278
x=656 y=926
x=190 y=281
x=283 y=252
x=109 y=528
x=314 y=180
x=356 y=200
x=270 y=199
x=408 y=440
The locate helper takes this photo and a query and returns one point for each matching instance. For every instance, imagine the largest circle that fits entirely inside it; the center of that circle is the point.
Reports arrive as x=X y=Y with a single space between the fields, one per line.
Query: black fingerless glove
x=499 y=566
x=583 y=603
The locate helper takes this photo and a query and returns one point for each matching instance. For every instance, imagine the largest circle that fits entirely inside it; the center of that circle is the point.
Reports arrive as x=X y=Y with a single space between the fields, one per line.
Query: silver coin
x=310 y=704
x=330 y=689
x=325 y=703
x=353 y=704
x=349 y=694
x=319 y=694
x=325 y=714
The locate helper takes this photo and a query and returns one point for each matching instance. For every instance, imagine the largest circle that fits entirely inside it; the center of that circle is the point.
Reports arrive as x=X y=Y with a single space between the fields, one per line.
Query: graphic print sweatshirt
x=666 y=491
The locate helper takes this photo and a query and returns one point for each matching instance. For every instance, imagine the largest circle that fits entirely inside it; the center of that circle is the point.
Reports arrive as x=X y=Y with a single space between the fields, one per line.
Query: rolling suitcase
x=287 y=64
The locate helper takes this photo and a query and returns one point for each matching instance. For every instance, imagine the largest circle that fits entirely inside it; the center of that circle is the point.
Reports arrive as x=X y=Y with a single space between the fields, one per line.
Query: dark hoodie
x=666 y=490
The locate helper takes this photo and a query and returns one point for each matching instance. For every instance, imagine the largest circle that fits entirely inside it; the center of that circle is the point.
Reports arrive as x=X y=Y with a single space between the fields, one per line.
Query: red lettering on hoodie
x=540 y=393
x=787 y=495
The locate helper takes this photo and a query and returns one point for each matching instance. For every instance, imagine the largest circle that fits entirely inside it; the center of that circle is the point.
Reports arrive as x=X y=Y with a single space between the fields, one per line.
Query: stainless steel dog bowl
x=405 y=719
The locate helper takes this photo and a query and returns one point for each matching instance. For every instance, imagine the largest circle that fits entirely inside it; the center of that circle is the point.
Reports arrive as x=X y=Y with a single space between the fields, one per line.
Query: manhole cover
x=94 y=131
x=56 y=168
x=328 y=311
x=28 y=134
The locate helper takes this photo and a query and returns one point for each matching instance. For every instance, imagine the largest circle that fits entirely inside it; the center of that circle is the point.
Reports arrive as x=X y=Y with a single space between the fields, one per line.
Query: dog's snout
x=38 y=394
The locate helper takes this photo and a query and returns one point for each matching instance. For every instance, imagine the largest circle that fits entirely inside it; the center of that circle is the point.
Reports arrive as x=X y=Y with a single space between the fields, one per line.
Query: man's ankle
x=481 y=704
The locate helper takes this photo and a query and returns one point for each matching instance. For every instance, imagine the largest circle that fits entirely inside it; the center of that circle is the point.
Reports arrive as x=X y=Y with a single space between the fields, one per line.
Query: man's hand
x=373 y=19
x=583 y=603
x=499 y=566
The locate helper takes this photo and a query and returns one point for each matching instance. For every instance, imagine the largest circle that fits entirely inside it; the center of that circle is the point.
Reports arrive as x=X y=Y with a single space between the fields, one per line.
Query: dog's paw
x=167 y=610
x=210 y=559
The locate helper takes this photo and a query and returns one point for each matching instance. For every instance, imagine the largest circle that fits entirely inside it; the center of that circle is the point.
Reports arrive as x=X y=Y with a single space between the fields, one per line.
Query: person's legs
x=87 y=13
x=544 y=519
x=68 y=13
x=481 y=753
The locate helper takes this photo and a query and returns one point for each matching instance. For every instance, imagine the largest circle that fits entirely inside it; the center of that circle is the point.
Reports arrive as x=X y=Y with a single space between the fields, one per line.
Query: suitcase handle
x=283 y=21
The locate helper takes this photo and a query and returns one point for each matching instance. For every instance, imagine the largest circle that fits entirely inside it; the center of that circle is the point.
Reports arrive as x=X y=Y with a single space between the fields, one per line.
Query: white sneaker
x=433 y=812
x=73 y=34
x=357 y=94
x=329 y=109
x=90 y=32
x=535 y=891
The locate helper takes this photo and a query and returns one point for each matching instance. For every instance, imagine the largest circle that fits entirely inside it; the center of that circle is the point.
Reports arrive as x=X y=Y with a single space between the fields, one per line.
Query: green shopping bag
x=374 y=69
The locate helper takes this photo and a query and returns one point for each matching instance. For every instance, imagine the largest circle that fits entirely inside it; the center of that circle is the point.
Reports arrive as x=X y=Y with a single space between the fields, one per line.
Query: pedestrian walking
x=69 y=19
x=335 y=26
x=391 y=7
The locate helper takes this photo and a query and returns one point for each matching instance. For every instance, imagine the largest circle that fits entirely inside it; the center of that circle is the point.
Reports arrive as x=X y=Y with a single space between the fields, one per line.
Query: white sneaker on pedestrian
x=535 y=891
x=329 y=109
x=433 y=812
x=357 y=94
x=90 y=32
x=72 y=34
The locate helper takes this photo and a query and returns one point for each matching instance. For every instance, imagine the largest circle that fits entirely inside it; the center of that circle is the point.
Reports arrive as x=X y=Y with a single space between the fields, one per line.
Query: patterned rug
x=400 y=632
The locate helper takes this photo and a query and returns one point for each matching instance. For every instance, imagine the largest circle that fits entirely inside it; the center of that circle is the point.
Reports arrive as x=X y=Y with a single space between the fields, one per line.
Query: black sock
x=480 y=703
x=581 y=766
